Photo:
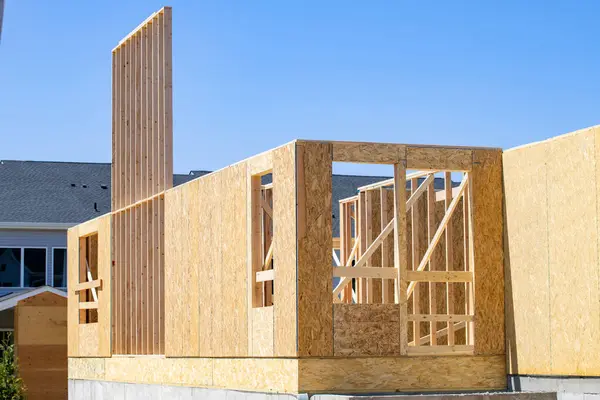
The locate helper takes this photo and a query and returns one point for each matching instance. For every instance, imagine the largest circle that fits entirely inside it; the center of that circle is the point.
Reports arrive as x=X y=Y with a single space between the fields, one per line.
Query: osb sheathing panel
x=315 y=320
x=262 y=374
x=89 y=344
x=552 y=323
x=206 y=279
x=366 y=329
x=438 y=158
x=284 y=250
x=182 y=284
x=573 y=255
x=262 y=331
x=104 y=294
x=390 y=374
x=489 y=250
x=371 y=153
x=526 y=262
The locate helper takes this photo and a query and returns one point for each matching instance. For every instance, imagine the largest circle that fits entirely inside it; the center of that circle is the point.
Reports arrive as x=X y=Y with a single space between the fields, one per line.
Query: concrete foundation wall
x=566 y=388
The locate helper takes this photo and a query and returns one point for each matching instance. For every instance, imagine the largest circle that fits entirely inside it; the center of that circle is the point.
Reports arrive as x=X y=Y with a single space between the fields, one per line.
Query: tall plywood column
x=142 y=169
x=314 y=230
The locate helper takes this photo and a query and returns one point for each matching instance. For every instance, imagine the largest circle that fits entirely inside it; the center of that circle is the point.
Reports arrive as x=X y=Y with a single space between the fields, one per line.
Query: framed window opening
x=23 y=266
x=88 y=279
x=262 y=240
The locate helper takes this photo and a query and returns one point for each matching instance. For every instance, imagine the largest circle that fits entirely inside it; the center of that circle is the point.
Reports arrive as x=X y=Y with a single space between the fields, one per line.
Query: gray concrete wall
x=101 y=390
x=567 y=388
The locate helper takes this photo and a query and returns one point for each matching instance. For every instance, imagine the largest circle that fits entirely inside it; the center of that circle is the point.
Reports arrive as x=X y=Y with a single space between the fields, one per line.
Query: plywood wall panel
x=573 y=255
x=233 y=305
x=315 y=319
x=181 y=281
x=284 y=250
x=73 y=299
x=486 y=181
x=41 y=345
x=262 y=331
x=526 y=249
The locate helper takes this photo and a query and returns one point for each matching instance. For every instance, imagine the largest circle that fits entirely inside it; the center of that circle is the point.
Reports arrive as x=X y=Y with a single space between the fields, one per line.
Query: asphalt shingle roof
x=73 y=192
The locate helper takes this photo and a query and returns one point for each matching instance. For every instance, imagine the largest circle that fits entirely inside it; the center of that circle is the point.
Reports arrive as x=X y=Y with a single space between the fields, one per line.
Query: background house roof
x=73 y=192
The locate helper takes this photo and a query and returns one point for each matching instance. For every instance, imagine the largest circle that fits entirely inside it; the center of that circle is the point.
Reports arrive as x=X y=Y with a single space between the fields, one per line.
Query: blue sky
x=251 y=75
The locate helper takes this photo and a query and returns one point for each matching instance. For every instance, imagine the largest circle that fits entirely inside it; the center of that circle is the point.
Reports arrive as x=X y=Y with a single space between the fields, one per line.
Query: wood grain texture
x=262 y=331
x=284 y=250
x=41 y=345
x=73 y=298
x=573 y=254
x=488 y=251
x=439 y=158
x=401 y=374
x=371 y=153
x=315 y=320
x=366 y=329
x=526 y=263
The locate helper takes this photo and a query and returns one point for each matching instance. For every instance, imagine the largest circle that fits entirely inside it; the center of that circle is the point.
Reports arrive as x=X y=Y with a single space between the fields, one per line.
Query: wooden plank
x=96 y=283
x=401 y=374
x=415 y=225
x=284 y=250
x=449 y=256
x=364 y=272
x=440 y=350
x=432 y=286
x=439 y=158
x=440 y=317
x=264 y=276
x=168 y=93
x=314 y=285
x=366 y=329
x=439 y=276
x=46 y=325
x=88 y=305
x=488 y=229
x=363 y=252
x=371 y=153
x=400 y=251
x=369 y=238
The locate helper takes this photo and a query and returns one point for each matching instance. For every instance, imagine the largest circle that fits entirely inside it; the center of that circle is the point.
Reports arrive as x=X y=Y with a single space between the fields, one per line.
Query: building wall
x=34 y=238
x=41 y=345
x=552 y=255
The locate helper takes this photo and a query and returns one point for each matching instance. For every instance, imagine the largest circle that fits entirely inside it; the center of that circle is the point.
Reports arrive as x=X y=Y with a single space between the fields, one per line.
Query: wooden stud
x=449 y=257
x=432 y=286
x=415 y=254
x=400 y=250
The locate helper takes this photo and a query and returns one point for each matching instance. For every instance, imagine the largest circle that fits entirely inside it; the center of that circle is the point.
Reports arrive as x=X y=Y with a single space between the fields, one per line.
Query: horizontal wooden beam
x=88 y=305
x=442 y=332
x=97 y=283
x=368 y=153
x=390 y=182
x=440 y=350
x=439 y=276
x=349 y=199
x=440 y=317
x=440 y=158
x=264 y=276
x=365 y=272
x=336 y=242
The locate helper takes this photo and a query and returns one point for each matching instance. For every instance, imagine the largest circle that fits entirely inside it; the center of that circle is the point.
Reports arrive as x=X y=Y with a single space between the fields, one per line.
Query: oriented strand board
x=488 y=230
x=262 y=331
x=439 y=158
x=89 y=344
x=366 y=329
x=573 y=255
x=315 y=320
x=408 y=374
x=526 y=263
x=306 y=375
x=370 y=153
x=284 y=250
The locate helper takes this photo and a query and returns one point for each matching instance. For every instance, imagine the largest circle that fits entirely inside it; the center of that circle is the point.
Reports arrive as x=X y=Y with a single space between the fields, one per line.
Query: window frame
x=22 y=269
x=52 y=268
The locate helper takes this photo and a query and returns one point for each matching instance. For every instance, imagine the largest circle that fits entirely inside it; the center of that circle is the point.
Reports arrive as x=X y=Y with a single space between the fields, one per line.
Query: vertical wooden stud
x=416 y=295
x=432 y=285
x=400 y=251
x=449 y=257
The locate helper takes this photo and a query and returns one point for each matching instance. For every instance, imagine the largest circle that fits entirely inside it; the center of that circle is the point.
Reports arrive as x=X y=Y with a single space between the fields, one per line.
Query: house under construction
x=235 y=282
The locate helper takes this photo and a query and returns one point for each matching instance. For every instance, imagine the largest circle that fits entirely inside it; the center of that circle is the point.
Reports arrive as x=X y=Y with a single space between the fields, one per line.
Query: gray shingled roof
x=67 y=192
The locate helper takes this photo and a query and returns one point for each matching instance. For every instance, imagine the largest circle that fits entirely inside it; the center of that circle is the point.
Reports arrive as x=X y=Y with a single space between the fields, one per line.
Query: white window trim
x=22 y=274
x=51 y=277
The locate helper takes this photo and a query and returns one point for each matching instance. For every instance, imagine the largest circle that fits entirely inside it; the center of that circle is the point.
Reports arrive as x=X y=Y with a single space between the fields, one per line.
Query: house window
x=59 y=261
x=22 y=267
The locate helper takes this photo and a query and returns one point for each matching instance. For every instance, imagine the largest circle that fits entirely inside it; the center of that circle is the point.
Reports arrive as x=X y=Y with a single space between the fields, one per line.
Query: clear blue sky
x=251 y=75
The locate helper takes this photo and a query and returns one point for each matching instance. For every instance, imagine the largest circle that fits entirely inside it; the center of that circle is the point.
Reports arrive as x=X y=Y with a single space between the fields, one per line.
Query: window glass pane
x=10 y=267
x=35 y=268
x=60 y=267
